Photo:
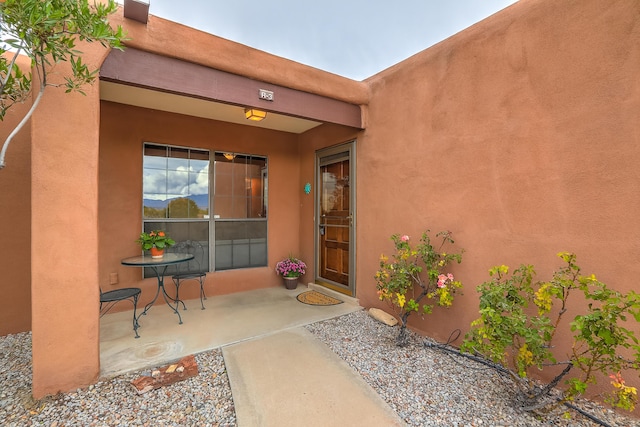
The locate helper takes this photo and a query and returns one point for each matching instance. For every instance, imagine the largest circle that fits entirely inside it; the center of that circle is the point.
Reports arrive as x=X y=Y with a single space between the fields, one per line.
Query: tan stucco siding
x=521 y=136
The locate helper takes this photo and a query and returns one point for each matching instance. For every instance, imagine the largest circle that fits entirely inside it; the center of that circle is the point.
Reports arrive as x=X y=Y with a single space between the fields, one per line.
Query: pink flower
x=405 y=238
x=442 y=279
x=617 y=378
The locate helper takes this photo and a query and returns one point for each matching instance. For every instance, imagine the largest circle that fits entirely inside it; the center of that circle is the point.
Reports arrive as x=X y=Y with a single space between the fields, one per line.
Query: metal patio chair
x=191 y=270
x=110 y=298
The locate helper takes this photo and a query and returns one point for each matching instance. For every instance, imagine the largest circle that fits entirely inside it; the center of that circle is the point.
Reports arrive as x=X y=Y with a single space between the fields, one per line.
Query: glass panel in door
x=335 y=222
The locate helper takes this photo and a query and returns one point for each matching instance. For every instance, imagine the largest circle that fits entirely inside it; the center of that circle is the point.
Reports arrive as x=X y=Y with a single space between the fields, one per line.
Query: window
x=176 y=198
x=240 y=211
x=175 y=183
x=176 y=195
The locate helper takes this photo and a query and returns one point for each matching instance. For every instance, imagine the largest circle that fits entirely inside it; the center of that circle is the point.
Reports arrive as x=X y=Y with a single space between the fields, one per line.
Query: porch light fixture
x=229 y=156
x=254 y=114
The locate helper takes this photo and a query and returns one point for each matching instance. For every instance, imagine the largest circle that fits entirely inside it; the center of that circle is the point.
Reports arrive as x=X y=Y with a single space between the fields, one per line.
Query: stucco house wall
x=520 y=135
x=123 y=131
x=308 y=143
x=93 y=163
x=15 y=223
x=64 y=214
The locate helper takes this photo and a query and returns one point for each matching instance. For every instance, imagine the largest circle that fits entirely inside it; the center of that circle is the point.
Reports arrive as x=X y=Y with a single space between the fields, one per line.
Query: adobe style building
x=520 y=134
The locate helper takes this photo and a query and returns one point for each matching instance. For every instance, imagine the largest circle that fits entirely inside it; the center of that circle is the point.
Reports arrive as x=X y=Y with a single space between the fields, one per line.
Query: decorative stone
x=185 y=368
x=382 y=316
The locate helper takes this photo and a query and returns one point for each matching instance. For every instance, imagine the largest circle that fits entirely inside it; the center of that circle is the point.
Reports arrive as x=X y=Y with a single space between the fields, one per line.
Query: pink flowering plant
x=414 y=279
x=291 y=267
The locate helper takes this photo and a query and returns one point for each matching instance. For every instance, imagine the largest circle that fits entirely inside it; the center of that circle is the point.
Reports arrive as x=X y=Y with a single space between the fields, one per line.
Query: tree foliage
x=47 y=31
x=183 y=208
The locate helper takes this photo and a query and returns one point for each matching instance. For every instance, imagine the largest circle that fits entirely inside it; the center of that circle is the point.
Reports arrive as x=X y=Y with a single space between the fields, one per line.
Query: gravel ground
x=430 y=387
x=426 y=387
x=203 y=400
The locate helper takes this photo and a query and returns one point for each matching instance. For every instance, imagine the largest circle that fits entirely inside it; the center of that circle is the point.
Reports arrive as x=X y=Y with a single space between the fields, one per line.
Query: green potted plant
x=291 y=268
x=155 y=241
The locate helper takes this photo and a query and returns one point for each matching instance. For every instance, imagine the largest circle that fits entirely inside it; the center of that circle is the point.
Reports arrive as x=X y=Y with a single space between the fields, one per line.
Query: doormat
x=316 y=298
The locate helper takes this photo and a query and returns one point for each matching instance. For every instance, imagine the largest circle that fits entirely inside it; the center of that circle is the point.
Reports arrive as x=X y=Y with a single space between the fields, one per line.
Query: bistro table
x=159 y=266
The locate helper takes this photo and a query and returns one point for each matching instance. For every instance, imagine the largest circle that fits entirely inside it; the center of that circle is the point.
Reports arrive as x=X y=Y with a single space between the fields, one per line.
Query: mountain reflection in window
x=175 y=182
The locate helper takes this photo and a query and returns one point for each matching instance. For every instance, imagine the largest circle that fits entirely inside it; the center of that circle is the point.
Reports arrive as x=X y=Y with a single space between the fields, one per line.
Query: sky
x=351 y=38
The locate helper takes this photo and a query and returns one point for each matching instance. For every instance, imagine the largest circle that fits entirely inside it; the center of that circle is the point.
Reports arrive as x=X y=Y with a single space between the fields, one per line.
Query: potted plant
x=155 y=241
x=290 y=269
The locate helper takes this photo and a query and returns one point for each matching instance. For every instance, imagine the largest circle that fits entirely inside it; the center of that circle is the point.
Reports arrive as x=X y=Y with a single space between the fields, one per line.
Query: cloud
x=181 y=181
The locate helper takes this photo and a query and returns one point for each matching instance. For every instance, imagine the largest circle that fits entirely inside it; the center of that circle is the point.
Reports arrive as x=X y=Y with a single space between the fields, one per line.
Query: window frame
x=217 y=220
x=211 y=219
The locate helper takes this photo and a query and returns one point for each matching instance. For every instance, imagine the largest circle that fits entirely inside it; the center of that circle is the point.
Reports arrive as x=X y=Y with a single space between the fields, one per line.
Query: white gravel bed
x=426 y=387
x=203 y=400
x=430 y=387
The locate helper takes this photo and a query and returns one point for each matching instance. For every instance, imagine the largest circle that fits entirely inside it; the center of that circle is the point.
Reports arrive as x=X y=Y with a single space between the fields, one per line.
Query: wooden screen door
x=335 y=218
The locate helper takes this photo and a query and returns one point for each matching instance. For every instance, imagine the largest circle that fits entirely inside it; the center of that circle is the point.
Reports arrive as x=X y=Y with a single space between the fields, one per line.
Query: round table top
x=148 y=261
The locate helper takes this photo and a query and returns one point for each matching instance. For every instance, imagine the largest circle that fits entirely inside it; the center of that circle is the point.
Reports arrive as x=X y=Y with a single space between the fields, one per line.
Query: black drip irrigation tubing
x=446 y=347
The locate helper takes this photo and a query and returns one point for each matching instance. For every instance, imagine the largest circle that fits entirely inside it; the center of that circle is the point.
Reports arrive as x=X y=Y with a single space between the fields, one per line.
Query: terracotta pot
x=157 y=253
x=290 y=282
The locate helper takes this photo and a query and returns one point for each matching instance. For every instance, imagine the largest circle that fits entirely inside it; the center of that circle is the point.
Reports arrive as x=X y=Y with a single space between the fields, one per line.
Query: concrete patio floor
x=267 y=352
x=227 y=319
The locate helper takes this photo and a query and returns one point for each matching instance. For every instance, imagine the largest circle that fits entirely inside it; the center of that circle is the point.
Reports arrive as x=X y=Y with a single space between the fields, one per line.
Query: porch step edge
x=335 y=294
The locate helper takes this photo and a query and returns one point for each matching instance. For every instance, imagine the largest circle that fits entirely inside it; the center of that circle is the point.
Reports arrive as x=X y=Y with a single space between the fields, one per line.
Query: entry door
x=335 y=218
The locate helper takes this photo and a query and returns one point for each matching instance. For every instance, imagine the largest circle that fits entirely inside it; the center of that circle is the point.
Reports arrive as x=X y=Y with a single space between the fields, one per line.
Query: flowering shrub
x=511 y=335
x=156 y=238
x=624 y=397
x=291 y=267
x=414 y=274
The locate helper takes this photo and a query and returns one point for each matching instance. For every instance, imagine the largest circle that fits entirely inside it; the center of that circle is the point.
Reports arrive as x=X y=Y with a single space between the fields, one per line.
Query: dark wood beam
x=151 y=71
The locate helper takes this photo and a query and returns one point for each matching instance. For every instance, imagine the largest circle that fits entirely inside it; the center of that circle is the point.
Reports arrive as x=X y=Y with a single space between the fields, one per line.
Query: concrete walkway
x=280 y=374
x=292 y=379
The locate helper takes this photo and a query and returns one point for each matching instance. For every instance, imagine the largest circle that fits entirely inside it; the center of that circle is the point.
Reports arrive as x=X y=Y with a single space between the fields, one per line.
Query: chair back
x=197 y=264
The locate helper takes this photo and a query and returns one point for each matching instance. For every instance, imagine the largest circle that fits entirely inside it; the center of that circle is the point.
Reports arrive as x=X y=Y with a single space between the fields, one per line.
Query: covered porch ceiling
x=147 y=98
x=149 y=80
x=206 y=109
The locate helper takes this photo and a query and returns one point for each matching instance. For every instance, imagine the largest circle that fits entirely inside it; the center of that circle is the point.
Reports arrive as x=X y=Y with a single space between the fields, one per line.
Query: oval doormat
x=317 y=298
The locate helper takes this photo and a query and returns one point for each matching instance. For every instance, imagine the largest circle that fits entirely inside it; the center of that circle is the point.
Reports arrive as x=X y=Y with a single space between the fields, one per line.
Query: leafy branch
x=417 y=270
x=510 y=334
x=46 y=31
